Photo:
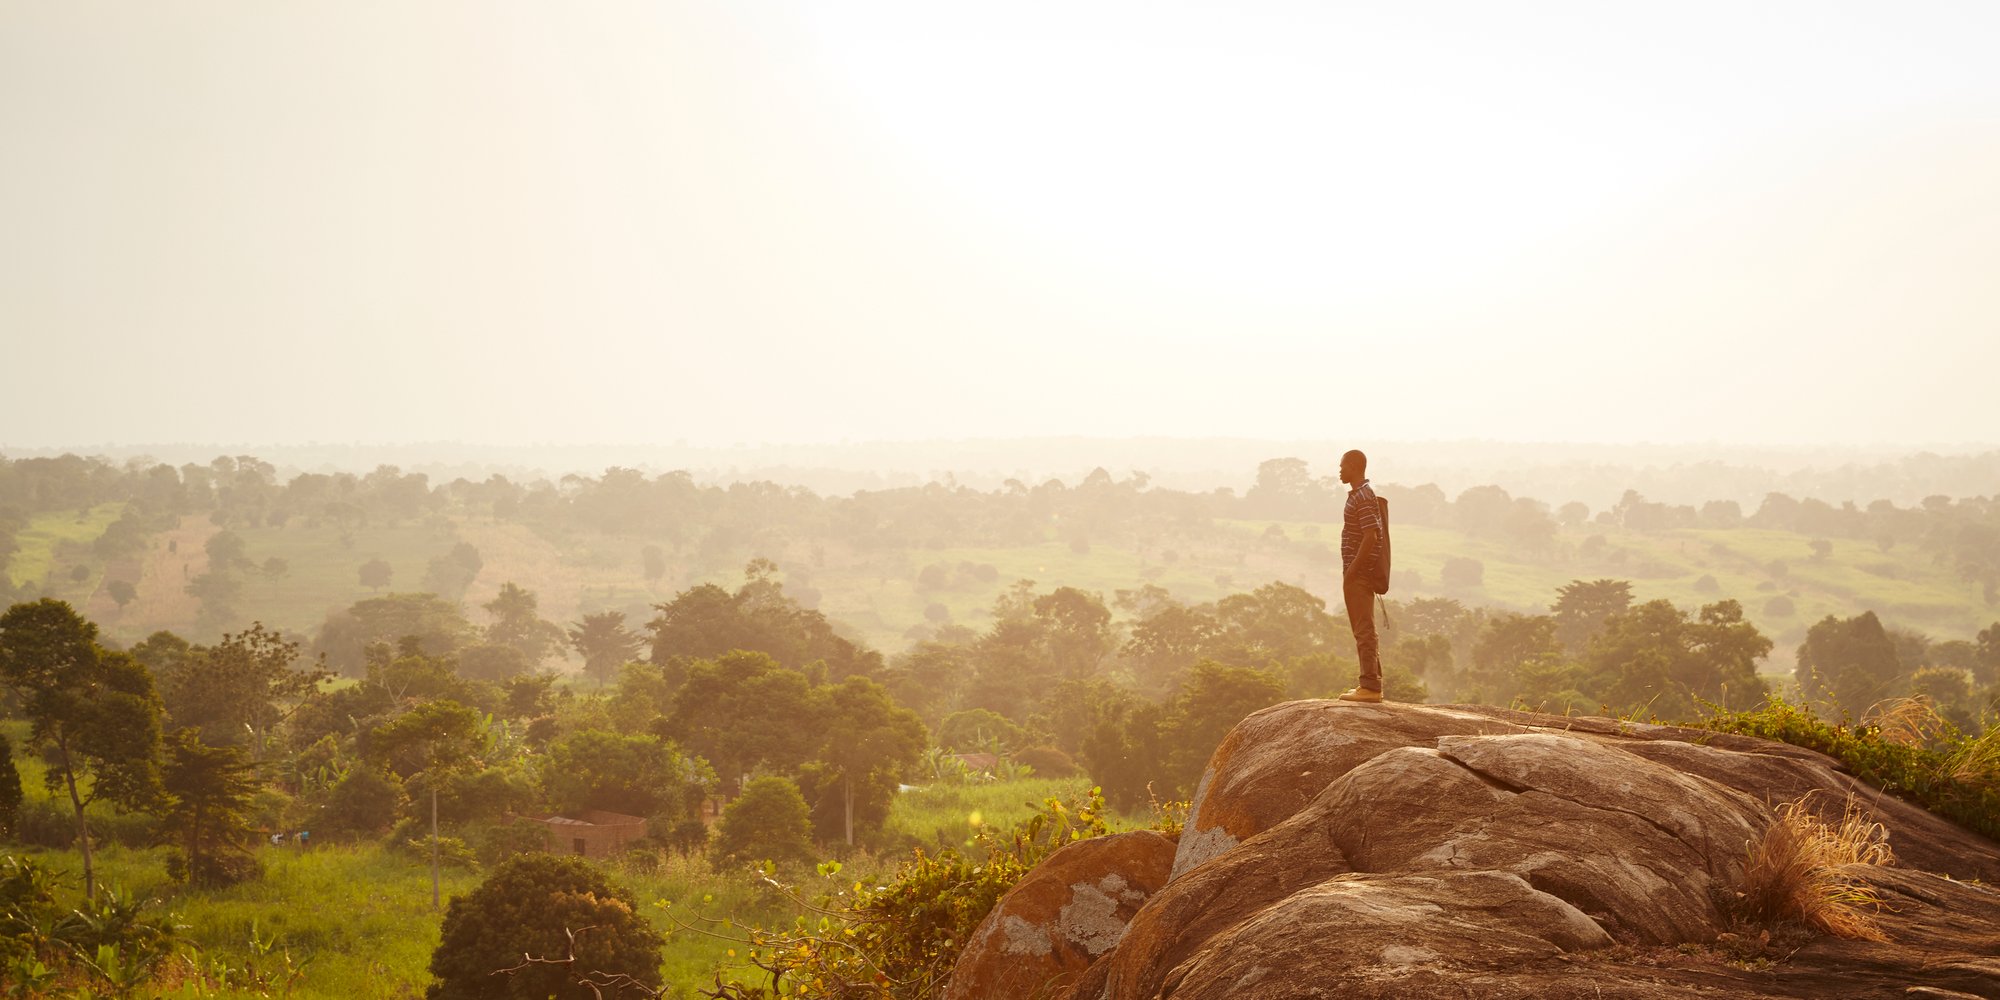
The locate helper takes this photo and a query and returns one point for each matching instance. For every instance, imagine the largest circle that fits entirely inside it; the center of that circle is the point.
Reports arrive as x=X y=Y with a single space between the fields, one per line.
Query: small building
x=593 y=833
x=978 y=763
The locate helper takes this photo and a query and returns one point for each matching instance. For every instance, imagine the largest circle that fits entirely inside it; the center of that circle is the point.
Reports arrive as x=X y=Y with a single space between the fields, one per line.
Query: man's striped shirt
x=1360 y=515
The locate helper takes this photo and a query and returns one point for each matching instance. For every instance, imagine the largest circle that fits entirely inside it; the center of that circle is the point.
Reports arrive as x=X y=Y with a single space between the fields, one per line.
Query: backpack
x=1381 y=580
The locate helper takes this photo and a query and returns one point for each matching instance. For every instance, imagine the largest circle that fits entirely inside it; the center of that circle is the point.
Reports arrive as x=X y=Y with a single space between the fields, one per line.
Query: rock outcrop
x=1336 y=849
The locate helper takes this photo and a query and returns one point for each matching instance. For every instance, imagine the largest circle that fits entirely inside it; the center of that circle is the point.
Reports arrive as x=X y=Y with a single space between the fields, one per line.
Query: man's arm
x=1362 y=554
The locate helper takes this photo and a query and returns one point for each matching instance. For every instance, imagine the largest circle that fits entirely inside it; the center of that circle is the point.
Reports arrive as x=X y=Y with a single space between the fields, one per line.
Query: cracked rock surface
x=1341 y=850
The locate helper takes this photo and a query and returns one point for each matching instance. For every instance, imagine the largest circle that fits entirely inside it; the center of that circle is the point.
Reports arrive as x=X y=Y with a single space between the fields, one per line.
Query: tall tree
x=1849 y=663
x=91 y=710
x=236 y=690
x=210 y=789
x=376 y=574
x=1658 y=658
x=518 y=624
x=435 y=739
x=605 y=643
x=869 y=740
x=743 y=711
x=1581 y=608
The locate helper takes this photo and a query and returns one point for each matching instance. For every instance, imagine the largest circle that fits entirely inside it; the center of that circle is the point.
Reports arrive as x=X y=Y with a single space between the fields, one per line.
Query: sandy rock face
x=1414 y=851
x=1278 y=759
x=1071 y=909
x=1384 y=929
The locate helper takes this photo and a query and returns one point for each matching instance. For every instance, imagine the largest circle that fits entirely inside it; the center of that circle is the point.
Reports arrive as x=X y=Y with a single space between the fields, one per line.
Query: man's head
x=1353 y=467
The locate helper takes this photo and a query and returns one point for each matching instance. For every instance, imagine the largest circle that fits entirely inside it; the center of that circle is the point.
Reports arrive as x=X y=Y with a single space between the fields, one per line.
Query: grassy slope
x=37 y=560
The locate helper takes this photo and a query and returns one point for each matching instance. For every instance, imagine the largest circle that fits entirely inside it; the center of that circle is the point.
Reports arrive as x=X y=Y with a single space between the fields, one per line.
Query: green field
x=339 y=921
x=40 y=543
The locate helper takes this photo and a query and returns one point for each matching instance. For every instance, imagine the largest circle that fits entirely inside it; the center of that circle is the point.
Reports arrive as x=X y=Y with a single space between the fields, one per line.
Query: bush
x=912 y=929
x=768 y=822
x=1947 y=773
x=366 y=801
x=531 y=906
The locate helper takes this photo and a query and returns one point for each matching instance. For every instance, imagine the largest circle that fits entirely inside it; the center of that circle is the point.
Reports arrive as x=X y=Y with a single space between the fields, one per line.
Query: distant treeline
x=244 y=491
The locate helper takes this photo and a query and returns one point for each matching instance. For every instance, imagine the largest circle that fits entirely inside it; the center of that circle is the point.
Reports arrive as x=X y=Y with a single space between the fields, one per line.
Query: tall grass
x=1797 y=872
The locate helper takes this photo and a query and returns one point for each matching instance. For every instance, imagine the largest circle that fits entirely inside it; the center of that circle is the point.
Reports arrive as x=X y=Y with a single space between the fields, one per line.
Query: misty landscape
x=1131 y=502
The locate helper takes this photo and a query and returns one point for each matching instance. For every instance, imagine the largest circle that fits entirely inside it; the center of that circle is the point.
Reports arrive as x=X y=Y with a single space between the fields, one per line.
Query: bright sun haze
x=797 y=223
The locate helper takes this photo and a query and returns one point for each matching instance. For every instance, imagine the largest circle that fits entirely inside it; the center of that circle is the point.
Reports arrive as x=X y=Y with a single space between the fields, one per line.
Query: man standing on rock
x=1360 y=540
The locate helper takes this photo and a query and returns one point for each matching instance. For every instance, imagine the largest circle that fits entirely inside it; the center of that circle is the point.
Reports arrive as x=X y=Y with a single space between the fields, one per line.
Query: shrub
x=1796 y=872
x=560 y=912
x=768 y=822
x=366 y=801
x=1945 y=772
x=910 y=930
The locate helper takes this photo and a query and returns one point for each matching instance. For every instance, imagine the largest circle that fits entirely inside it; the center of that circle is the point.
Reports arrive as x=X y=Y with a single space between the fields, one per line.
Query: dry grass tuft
x=1909 y=722
x=1795 y=872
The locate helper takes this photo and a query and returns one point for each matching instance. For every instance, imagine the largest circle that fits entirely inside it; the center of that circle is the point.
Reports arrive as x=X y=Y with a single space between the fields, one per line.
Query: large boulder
x=1278 y=759
x=1410 y=851
x=1057 y=920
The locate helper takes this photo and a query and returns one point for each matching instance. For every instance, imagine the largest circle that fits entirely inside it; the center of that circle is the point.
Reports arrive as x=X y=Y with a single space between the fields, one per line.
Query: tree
x=636 y=775
x=432 y=739
x=239 y=688
x=449 y=573
x=605 y=642
x=869 y=742
x=742 y=711
x=516 y=623
x=653 y=563
x=10 y=789
x=1076 y=631
x=1657 y=658
x=438 y=625
x=376 y=573
x=122 y=592
x=539 y=926
x=1581 y=609
x=1505 y=642
x=1212 y=700
x=211 y=789
x=1849 y=663
x=92 y=711
x=768 y=822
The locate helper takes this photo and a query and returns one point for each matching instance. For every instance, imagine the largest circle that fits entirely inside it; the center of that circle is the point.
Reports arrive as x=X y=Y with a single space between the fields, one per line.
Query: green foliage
x=10 y=789
x=1950 y=774
x=570 y=922
x=93 y=711
x=110 y=940
x=900 y=939
x=236 y=690
x=605 y=643
x=768 y=822
x=210 y=792
x=366 y=801
x=979 y=730
x=1848 y=664
x=635 y=775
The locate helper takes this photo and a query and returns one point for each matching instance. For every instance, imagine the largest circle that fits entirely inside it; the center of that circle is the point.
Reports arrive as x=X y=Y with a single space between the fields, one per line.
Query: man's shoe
x=1362 y=694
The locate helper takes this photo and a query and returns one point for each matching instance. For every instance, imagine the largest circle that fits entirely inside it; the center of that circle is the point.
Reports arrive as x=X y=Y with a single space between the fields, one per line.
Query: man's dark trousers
x=1360 y=595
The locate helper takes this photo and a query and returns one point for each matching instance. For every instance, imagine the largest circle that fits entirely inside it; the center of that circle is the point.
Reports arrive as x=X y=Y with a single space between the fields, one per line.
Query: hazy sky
x=808 y=222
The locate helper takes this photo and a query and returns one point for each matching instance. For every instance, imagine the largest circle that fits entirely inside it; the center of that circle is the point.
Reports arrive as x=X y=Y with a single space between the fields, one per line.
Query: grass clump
x=1798 y=872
